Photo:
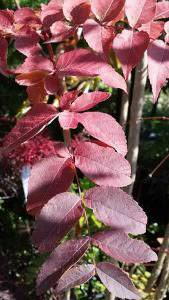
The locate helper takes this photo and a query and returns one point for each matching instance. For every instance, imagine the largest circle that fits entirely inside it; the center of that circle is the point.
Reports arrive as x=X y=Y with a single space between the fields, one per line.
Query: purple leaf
x=117 y=209
x=118 y=245
x=37 y=118
x=88 y=100
x=50 y=176
x=102 y=165
x=77 y=275
x=56 y=219
x=104 y=128
x=116 y=281
x=60 y=260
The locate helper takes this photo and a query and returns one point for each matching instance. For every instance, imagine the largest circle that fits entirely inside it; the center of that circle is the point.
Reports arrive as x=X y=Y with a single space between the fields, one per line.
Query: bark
x=163 y=253
x=135 y=116
x=125 y=106
x=162 y=288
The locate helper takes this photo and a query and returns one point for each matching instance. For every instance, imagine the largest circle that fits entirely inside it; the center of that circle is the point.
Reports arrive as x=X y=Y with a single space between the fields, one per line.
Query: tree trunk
x=163 y=254
x=125 y=106
x=135 y=116
x=163 y=285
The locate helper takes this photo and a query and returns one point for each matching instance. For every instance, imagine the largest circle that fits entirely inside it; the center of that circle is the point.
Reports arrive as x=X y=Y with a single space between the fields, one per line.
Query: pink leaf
x=35 y=63
x=116 y=281
x=140 y=12
x=102 y=165
x=105 y=128
x=154 y=29
x=118 y=245
x=111 y=77
x=32 y=123
x=27 y=42
x=77 y=275
x=26 y=16
x=83 y=62
x=162 y=10
x=6 y=20
x=32 y=78
x=50 y=176
x=60 y=31
x=98 y=37
x=129 y=46
x=56 y=219
x=51 y=13
x=76 y=11
x=61 y=259
x=67 y=98
x=68 y=120
x=106 y=10
x=117 y=209
x=158 y=66
x=53 y=84
x=88 y=100
x=78 y=62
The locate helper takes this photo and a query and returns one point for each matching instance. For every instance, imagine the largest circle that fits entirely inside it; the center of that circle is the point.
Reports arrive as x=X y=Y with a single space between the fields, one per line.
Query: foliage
x=99 y=157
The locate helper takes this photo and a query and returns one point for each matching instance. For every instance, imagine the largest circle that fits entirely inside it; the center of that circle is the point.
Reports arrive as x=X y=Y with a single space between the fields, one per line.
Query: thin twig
x=159 y=165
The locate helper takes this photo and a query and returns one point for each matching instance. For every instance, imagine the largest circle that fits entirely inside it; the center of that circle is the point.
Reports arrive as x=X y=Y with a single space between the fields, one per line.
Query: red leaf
x=77 y=275
x=88 y=100
x=36 y=93
x=102 y=165
x=61 y=259
x=56 y=219
x=106 y=10
x=53 y=84
x=118 y=245
x=51 y=13
x=154 y=29
x=78 y=62
x=111 y=77
x=129 y=46
x=6 y=20
x=68 y=120
x=35 y=63
x=37 y=118
x=27 y=42
x=67 y=98
x=83 y=62
x=116 y=281
x=76 y=11
x=60 y=31
x=117 y=209
x=32 y=78
x=158 y=66
x=56 y=176
x=26 y=16
x=140 y=12
x=105 y=128
x=98 y=37
x=162 y=10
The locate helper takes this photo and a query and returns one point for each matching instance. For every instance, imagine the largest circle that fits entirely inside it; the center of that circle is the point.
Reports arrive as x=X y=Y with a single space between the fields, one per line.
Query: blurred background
x=19 y=261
